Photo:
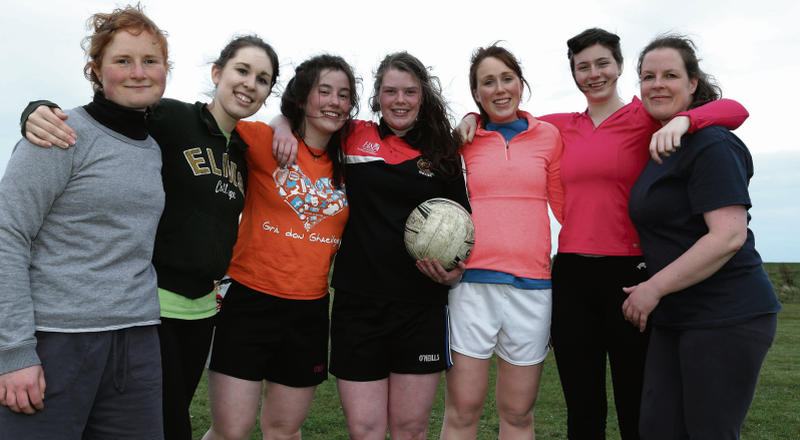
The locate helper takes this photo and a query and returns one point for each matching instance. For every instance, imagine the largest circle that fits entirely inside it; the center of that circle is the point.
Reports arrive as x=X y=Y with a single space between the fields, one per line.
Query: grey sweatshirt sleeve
x=33 y=179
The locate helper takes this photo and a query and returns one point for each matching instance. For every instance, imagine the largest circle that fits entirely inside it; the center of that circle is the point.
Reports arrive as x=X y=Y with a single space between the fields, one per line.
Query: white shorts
x=513 y=322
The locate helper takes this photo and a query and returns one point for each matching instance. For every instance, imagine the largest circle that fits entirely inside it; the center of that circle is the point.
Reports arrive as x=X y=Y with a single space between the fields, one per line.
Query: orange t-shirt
x=292 y=221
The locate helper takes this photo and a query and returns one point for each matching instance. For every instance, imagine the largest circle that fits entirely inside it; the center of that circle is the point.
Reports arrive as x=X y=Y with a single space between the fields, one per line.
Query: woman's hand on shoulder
x=667 y=139
x=284 y=147
x=45 y=127
x=466 y=128
x=284 y=144
x=434 y=270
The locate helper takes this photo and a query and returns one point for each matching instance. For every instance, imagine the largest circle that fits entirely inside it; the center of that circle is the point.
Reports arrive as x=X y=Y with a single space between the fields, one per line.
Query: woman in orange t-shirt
x=272 y=329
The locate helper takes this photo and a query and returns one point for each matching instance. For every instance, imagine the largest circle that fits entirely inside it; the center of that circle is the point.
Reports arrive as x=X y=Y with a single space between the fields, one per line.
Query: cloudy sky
x=750 y=47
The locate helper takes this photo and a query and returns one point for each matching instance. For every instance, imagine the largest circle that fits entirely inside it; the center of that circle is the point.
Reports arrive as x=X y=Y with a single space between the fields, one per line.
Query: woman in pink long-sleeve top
x=605 y=150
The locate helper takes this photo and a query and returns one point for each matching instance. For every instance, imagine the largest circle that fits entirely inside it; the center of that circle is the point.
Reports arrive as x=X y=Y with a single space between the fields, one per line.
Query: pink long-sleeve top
x=600 y=165
x=510 y=185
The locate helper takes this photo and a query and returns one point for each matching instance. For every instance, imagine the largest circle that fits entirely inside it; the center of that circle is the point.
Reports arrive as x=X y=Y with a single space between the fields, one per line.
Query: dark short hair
x=590 y=37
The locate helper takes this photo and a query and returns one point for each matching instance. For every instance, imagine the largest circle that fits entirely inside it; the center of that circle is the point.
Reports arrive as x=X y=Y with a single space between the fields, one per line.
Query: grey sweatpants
x=103 y=385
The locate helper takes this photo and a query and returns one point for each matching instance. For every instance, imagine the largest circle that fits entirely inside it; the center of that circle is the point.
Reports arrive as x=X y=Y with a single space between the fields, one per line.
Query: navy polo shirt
x=711 y=170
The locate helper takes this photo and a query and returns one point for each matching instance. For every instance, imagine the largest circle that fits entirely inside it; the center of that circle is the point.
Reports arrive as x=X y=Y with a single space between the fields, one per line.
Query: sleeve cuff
x=30 y=108
x=692 y=125
x=19 y=357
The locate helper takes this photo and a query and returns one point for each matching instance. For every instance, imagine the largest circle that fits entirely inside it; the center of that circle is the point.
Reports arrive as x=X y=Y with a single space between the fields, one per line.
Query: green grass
x=786 y=279
x=775 y=413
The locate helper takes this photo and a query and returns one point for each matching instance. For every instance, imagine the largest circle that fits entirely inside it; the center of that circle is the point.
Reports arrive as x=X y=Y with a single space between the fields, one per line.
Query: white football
x=441 y=229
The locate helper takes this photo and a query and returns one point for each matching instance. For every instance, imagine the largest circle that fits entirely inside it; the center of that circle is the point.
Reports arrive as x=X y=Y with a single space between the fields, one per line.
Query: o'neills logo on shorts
x=428 y=357
x=370 y=147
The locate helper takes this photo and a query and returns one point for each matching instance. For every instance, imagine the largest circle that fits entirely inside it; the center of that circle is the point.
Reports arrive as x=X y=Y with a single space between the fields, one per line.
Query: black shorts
x=373 y=337
x=263 y=337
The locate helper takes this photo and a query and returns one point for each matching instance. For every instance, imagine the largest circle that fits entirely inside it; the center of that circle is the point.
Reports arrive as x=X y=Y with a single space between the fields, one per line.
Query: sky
x=750 y=47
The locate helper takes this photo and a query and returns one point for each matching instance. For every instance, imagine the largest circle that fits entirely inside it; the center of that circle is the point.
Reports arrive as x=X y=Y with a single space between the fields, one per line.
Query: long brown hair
x=295 y=97
x=438 y=142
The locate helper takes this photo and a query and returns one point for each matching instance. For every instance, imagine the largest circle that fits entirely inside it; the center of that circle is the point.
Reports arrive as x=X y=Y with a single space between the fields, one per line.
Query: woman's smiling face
x=666 y=88
x=133 y=71
x=400 y=99
x=499 y=90
x=596 y=73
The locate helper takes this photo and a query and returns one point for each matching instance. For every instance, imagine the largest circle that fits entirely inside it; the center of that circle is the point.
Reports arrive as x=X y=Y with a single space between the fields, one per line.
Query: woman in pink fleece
x=503 y=302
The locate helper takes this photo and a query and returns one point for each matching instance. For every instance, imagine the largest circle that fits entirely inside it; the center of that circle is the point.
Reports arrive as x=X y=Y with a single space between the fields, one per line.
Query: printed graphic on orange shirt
x=314 y=201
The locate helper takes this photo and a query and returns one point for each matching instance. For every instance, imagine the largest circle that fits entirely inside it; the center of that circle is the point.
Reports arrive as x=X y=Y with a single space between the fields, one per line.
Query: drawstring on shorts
x=119 y=358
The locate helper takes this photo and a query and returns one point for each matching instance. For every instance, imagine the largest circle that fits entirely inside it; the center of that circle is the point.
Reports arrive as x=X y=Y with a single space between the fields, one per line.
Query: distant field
x=775 y=413
x=786 y=279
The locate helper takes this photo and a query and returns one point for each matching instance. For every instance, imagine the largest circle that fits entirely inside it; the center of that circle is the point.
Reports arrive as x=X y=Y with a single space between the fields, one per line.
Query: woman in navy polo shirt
x=712 y=308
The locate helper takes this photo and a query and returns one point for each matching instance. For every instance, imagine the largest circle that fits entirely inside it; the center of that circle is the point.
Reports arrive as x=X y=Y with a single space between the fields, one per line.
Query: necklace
x=314 y=155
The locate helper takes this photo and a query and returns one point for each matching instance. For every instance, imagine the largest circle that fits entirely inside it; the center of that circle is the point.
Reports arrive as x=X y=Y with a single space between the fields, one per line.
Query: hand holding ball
x=440 y=229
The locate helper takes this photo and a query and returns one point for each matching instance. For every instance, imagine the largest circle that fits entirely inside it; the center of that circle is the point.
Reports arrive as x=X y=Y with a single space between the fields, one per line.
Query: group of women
x=395 y=323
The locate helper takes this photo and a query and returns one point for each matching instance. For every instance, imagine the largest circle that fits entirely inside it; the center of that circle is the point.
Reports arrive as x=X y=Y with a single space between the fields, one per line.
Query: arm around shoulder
x=725 y=112
x=555 y=189
x=284 y=144
x=42 y=123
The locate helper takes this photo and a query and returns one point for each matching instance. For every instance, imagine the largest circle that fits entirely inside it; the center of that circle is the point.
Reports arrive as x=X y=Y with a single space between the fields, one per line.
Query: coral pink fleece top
x=510 y=185
x=600 y=165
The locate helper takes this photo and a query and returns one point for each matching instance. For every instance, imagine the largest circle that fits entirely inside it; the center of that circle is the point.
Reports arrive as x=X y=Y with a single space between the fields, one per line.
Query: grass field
x=774 y=415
